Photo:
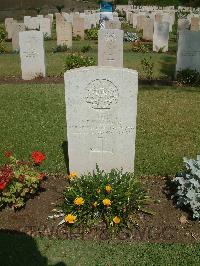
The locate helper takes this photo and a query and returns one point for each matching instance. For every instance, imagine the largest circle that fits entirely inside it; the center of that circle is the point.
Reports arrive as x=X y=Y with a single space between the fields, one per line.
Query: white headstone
x=17 y=27
x=161 y=36
x=32 y=54
x=148 y=29
x=110 y=48
x=9 y=24
x=64 y=34
x=112 y=24
x=188 y=55
x=101 y=105
x=183 y=24
x=79 y=27
x=45 y=26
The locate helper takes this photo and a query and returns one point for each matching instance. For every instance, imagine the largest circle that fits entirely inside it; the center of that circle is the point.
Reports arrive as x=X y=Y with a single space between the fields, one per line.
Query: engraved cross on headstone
x=101 y=149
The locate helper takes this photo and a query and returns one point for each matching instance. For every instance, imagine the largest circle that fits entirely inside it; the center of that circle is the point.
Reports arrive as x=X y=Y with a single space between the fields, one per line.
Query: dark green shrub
x=76 y=61
x=188 y=77
x=86 y=48
x=147 y=67
x=60 y=48
x=76 y=38
x=139 y=47
x=92 y=34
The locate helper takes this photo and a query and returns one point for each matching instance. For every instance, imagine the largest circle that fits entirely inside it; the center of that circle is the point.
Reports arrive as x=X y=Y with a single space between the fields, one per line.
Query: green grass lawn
x=168 y=126
x=164 y=63
x=23 y=251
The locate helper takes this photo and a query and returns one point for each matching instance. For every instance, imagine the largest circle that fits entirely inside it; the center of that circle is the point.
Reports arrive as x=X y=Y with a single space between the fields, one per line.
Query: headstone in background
x=110 y=48
x=17 y=27
x=161 y=37
x=195 y=24
x=101 y=104
x=134 y=20
x=9 y=23
x=112 y=24
x=45 y=27
x=64 y=34
x=148 y=29
x=183 y=24
x=32 y=54
x=188 y=55
x=78 y=27
x=158 y=17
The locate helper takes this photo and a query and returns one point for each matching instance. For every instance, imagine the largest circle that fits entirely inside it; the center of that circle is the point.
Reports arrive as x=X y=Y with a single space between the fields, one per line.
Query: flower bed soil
x=168 y=225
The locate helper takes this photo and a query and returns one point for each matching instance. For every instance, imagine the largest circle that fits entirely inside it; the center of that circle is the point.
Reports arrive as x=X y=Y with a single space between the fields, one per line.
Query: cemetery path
x=168 y=225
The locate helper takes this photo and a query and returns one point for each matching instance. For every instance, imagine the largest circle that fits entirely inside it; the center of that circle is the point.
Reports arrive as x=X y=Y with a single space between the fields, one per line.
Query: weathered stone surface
x=101 y=118
x=64 y=34
x=112 y=24
x=79 y=27
x=188 y=55
x=110 y=48
x=32 y=54
x=17 y=27
x=45 y=26
x=148 y=29
x=183 y=24
x=195 y=24
x=161 y=36
x=9 y=24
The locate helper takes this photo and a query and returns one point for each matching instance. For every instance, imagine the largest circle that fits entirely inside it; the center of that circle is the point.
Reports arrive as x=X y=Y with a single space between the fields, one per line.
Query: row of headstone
x=30 y=23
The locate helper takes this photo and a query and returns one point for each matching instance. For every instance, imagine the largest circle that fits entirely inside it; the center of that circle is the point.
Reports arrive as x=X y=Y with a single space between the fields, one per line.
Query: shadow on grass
x=19 y=249
x=66 y=155
x=168 y=66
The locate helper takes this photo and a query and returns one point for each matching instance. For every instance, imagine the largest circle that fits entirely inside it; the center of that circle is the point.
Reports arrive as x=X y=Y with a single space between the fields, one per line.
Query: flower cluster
x=108 y=197
x=19 y=179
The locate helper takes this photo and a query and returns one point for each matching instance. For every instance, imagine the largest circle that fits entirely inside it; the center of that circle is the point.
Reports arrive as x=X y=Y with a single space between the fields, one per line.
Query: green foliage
x=47 y=37
x=86 y=48
x=2 y=34
x=19 y=181
x=92 y=34
x=114 y=198
x=147 y=67
x=139 y=47
x=2 y=47
x=2 y=40
x=60 y=48
x=77 y=38
x=188 y=77
x=76 y=61
x=187 y=193
x=121 y=13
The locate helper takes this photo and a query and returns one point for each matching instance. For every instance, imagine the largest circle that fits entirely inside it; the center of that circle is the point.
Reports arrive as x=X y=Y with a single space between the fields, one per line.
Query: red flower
x=8 y=154
x=3 y=185
x=38 y=157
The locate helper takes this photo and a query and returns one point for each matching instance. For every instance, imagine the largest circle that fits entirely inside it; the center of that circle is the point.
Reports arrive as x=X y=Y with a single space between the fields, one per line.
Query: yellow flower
x=79 y=201
x=106 y=202
x=72 y=175
x=70 y=218
x=95 y=204
x=116 y=220
x=98 y=190
x=108 y=188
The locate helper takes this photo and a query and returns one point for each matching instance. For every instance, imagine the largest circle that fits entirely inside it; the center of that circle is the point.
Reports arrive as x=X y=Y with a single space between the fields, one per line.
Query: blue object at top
x=105 y=6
